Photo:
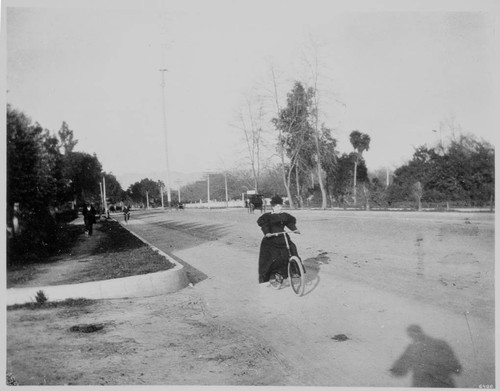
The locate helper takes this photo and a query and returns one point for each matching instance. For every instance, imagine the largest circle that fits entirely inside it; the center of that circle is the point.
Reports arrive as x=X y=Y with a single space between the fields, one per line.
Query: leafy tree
x=340 y=177
x=34 y=164
x=33 y=180
x=377 y=192
x=469 y=166
x=84 y=173
x=272 y=182
x=194 y=192
x=461 y=172
x=67 y=138
x=416 y=170
x=147 y=190
x=114 y=191
x=295 y=140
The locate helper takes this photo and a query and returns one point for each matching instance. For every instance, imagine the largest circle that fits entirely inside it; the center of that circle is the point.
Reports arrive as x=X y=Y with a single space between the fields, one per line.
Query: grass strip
x=68 y=303
x=118 y=253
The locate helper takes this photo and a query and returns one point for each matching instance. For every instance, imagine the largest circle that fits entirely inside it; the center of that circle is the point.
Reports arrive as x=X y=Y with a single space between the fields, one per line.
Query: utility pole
x=207 y=173
x=179 y=191
x=160 y=185
x=102 y=200
x=104 y=191
x=167 y=183
x=225 y=182
x=208 y=190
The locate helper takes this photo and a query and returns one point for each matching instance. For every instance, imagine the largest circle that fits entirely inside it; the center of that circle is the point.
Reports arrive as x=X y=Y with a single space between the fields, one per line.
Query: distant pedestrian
x=89 y=218
x=126 y=213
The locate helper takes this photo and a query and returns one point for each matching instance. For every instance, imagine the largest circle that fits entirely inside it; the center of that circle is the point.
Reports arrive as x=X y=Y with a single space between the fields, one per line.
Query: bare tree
x=286 y=176
x=315 y=114
x=251 y=123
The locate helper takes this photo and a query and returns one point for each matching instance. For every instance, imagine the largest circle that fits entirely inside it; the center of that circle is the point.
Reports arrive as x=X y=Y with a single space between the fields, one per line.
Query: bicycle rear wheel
x=296 y=275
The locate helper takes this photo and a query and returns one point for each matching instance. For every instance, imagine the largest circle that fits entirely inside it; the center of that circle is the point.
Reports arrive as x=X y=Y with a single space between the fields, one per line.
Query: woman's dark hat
x=276 y=200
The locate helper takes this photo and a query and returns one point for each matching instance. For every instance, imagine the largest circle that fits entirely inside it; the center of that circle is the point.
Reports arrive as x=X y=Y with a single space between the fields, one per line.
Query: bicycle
x=296 y=271
x=126 y=215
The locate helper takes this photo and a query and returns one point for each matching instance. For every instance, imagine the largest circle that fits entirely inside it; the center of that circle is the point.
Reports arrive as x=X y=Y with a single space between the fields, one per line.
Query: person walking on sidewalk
x=126 y=213
x=89 y=218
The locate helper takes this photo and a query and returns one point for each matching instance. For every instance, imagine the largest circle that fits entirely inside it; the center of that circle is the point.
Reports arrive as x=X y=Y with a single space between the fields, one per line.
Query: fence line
x=216 y=204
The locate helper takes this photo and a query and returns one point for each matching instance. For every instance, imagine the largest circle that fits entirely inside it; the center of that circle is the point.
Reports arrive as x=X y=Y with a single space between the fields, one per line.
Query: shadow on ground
x=204 y=232
x=313 y=267
x=66 y=236
x=431 y=361
x=115 y=238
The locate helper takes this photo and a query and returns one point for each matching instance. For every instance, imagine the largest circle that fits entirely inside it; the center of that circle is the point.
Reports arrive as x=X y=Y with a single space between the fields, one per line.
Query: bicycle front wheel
x=296 y=275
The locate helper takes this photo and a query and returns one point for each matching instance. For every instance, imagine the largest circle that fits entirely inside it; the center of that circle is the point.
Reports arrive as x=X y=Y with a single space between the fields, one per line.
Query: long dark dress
x=89 y=218
x=273 y=254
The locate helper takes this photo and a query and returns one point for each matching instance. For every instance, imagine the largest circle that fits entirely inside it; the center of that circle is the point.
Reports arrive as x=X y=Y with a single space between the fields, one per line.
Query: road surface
x=370 y=276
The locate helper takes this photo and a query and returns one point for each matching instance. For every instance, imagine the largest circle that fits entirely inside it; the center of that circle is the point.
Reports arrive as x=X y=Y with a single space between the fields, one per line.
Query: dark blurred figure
x=126 y=213
x=89 y=218
x=432 y=361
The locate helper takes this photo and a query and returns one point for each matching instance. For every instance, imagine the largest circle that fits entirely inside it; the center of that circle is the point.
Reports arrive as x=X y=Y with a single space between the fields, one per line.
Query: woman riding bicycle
x=273 y=257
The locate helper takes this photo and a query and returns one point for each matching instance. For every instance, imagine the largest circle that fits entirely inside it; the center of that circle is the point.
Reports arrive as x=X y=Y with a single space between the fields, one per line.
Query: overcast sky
x=393 y=73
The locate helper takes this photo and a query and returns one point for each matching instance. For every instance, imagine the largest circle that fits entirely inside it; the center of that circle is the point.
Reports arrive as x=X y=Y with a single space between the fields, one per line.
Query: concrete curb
x=152 y=284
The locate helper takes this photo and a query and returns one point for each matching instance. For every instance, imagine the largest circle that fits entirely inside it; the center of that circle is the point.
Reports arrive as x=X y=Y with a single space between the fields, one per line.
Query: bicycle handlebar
x=283 y=233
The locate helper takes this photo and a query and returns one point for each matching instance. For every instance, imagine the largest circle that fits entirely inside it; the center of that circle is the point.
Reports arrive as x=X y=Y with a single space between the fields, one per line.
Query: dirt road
x=371 y=275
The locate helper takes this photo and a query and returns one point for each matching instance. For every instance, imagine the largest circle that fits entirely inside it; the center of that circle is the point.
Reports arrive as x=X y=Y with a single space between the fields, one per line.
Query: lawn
x=112 y=252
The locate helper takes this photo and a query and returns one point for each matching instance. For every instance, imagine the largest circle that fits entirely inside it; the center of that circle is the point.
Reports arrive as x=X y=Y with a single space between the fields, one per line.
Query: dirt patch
x=86 y=328
x=170 y=340
x=340 y=338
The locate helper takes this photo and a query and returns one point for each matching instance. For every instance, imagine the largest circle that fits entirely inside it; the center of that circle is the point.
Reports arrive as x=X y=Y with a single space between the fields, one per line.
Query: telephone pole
x=179 y=183
x=207 y=173
x=167 y=182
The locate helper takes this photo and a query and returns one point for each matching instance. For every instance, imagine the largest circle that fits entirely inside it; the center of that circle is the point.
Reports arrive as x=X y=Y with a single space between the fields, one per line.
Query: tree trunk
x=288 y=192
x=418 y=193
x=322 y=187
x=286 y=181
x=299 y=198
x=318 y=166
x=354 y=187
x=366 y=193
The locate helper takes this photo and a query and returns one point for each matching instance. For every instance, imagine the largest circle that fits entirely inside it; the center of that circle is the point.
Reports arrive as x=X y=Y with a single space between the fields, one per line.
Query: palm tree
x=360 y=142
